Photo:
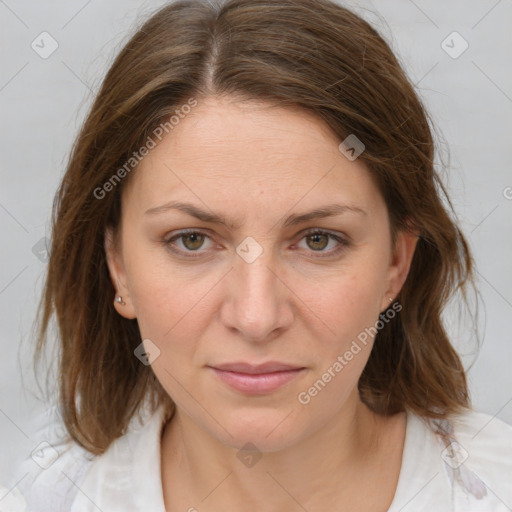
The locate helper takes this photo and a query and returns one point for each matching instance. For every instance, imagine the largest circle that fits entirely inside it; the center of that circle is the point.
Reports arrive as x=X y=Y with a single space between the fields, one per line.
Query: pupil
x=195 y=238
x=316 y=236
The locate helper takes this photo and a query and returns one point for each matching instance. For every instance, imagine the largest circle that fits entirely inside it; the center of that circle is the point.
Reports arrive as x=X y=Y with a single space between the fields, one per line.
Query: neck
x=328 y=463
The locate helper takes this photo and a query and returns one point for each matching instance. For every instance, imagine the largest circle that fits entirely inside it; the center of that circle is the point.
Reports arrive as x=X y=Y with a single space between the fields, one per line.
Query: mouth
x=256 y=379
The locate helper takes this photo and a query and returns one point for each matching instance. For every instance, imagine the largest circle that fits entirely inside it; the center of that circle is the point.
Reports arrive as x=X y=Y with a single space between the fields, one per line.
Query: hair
x=312 y=54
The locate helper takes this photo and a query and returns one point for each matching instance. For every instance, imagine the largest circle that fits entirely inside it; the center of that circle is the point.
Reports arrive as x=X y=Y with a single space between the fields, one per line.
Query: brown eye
x=187 y=242
x=318 y=241
x=193 y=241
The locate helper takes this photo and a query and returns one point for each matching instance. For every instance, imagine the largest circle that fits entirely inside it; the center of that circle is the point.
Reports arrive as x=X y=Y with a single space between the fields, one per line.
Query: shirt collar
x=128 y=475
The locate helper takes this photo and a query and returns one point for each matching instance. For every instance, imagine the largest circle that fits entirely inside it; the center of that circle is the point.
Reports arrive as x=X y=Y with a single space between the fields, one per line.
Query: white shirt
x=473 y=474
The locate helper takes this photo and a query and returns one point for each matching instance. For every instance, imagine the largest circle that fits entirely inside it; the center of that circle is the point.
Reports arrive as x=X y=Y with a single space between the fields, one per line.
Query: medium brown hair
x=312 y=54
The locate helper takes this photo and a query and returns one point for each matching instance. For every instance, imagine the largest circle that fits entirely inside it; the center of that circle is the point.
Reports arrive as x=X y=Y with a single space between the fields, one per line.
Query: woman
x=249 y=263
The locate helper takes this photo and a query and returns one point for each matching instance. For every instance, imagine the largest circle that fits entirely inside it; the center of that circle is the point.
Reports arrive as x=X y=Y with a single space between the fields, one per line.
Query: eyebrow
x=329 y=210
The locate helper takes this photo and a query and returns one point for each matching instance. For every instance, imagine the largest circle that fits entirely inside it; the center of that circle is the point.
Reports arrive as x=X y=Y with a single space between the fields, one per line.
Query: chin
x=268 y=431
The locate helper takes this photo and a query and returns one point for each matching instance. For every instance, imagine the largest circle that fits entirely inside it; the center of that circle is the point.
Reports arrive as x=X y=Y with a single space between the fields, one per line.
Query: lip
x=256 y=379
x=255 y=369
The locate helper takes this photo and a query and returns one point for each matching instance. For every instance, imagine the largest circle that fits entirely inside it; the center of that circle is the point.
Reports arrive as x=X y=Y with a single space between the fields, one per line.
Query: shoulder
x=127 y=475
x=481 y=427
x=57 y=475
x=485 y=442
x=460 y=463
x=476 y=450
x=51 y=468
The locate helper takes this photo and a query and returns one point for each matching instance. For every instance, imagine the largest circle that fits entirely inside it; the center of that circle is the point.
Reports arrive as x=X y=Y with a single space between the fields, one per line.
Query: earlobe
x=122 y=301
x=401 y=263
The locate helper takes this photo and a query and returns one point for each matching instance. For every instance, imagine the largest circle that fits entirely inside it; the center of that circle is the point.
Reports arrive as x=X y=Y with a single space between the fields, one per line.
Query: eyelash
x=343 y=243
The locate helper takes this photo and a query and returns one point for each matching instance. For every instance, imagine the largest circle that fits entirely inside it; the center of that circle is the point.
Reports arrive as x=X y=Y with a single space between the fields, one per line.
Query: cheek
x=157 y=297
x=174 y=309
x=350 y=306
x=347 y=300
x=169 y=314
x=341 y=302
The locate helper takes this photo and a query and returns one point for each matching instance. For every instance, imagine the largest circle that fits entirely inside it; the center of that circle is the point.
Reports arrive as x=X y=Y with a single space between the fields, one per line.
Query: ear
x=118 y=276
x=400 y=264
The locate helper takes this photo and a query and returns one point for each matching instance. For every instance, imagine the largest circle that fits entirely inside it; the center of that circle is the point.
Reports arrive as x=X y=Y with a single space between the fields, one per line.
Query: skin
x=255 y=165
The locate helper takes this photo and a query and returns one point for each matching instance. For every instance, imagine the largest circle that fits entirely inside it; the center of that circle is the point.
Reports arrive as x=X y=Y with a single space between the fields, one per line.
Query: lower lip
x=257 y=384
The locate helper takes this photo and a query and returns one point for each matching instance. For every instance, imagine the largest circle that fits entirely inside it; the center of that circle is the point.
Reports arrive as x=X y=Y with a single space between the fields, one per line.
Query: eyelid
x=342 y=239
x=168 y=242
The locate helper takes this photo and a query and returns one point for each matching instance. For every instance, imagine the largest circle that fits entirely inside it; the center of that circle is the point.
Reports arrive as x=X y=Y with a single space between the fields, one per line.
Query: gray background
x=42 y=102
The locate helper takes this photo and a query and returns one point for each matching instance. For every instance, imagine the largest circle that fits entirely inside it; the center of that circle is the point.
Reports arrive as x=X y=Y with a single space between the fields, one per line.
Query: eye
x=317 y=240
x=191 y=241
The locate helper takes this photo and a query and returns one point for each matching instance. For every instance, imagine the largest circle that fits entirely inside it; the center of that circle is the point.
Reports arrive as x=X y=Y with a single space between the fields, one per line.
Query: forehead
x=214 y=118
x=225 y=132
x=246 y=150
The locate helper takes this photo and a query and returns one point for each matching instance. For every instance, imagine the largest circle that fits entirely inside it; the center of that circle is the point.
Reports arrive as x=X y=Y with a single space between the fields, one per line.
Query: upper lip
x=269 y=367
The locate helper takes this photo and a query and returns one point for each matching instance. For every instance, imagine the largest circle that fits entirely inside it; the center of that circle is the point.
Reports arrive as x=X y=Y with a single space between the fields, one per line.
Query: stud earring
x=120 y=300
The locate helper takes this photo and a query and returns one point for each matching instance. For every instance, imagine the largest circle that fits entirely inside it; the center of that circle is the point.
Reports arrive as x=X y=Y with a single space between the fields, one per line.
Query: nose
x=258 y=303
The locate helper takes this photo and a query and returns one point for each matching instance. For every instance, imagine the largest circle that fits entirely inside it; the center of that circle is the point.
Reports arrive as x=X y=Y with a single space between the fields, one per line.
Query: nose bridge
x=255 y=277
x=255 y=283
x=258 y=299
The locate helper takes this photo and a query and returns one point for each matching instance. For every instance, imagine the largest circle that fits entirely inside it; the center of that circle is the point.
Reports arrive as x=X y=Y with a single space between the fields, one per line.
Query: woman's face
x=258 y=286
